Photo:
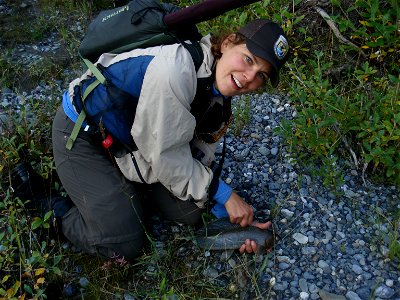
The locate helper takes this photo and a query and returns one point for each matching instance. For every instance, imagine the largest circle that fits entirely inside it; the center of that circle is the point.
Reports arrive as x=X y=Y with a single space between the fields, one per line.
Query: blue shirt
x=222 y=195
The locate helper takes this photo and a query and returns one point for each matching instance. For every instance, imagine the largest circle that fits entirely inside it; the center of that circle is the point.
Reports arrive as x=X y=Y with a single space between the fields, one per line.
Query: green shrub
x=241 y=110
x=27 y=262
x=25 y=136
x=9 y=70
x=356 y=113
x=359 y=119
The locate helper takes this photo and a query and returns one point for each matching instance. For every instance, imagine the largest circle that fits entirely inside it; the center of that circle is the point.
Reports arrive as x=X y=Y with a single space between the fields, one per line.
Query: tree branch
x=335 y=30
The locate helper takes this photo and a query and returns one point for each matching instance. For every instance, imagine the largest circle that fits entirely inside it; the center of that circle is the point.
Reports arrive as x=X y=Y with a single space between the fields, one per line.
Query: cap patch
x=281 y=47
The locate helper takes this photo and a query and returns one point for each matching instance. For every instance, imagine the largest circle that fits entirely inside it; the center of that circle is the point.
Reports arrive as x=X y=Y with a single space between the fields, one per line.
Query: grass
x=34 y=266
x=241 y=114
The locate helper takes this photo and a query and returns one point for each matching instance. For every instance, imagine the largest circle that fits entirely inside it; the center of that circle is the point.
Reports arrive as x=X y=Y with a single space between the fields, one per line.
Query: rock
x=324 y=266
x=384 y=292
x=274 y=151
x=245 y=152
x=83 y=282
x=287 y=213
x=300 y=238
x=210 y=272
x=309 y=250
x=128 y=296
x=352 y=296
x=330 y=296
x=303 y=285
x=264 y=151
x=357 y=269
x=389 y=282
x=304 y=295
x=70 y=290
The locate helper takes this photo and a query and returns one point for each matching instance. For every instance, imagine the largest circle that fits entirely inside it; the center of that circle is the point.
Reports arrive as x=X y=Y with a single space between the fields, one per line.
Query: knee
x=192 y=218
x=128 y=250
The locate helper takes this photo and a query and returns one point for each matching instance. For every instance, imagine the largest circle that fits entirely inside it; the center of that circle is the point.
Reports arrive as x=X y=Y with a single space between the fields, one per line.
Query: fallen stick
x=335 y=30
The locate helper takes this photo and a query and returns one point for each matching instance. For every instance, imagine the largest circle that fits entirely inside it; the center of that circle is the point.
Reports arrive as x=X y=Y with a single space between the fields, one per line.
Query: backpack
x=138 y=24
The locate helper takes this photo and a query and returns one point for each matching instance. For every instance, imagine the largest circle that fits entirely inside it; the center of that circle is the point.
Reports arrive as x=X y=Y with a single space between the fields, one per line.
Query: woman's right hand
x=239 y=211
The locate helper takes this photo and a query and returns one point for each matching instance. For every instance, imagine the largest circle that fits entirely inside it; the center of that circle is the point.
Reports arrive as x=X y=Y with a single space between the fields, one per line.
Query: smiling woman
x=181 y=115
x=239 y=71
x=255 y=53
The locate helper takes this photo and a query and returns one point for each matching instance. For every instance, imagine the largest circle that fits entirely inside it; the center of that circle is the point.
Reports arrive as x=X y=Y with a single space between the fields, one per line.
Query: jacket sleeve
x=164 y=126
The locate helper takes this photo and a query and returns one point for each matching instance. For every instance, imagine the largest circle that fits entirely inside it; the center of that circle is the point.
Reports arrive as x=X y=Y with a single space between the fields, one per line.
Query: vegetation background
x=343 y=77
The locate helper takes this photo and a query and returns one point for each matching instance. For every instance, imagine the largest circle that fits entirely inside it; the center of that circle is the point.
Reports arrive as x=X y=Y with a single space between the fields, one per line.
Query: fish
x=221 y=234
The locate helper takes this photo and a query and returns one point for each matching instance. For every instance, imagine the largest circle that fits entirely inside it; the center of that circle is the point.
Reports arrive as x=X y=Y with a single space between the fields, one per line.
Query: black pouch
x=215 y=122
x=26 y=183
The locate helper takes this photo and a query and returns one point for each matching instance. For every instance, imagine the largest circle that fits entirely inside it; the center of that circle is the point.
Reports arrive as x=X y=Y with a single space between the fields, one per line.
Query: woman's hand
x=239 y=211
x=250 y=246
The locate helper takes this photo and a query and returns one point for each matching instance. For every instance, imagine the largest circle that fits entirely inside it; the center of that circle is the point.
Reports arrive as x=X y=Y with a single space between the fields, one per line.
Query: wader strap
x=75 y=130
x=96 y=72
x=81 y=118
x=217 y=169
x=222 y=160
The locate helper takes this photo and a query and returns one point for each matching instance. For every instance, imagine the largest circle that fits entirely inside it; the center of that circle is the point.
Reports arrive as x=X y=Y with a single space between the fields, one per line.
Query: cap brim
x=260 y=52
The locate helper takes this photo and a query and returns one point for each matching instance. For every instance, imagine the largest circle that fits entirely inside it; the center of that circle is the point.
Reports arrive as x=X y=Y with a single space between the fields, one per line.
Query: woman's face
x=238 y=71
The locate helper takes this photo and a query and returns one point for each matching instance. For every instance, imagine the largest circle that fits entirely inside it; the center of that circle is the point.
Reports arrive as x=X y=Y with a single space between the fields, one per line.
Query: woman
x=172 y=158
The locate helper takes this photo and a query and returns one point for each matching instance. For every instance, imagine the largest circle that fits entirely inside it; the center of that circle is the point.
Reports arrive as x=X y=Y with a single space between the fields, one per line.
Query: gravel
x=329 y=246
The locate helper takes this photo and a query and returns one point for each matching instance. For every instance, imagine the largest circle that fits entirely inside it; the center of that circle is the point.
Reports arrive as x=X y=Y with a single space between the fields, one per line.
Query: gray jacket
x=163 y=125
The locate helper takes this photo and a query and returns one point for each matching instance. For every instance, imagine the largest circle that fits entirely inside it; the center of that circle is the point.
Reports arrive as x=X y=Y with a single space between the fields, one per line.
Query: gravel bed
x=329 y=246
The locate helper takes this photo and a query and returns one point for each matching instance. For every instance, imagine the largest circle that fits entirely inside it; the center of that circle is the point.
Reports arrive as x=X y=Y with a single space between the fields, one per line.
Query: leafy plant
x=376 y=31
x=359 y=117
x=25 y=136
x=241 y=114
x=23 y=250
x=9 y=70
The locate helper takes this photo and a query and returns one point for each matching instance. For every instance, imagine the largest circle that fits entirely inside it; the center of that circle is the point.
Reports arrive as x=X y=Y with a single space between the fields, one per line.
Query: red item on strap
x=107 y=142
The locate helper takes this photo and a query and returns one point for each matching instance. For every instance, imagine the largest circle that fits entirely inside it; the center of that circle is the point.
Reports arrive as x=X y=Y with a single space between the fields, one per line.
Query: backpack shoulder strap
x=196 y=52
x=100 y=79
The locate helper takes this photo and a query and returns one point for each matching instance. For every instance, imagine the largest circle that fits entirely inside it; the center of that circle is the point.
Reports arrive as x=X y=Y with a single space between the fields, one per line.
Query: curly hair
x=217 y=40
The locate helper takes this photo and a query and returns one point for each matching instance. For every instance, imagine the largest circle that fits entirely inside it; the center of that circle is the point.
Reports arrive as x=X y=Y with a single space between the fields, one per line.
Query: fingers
x=244 y=221
x=247 y=220
x=239 y=211
x=265 y=225
x=249 y=246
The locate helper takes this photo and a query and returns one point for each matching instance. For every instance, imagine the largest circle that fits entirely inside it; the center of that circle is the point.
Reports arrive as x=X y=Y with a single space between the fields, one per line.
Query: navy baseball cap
x=267 y=40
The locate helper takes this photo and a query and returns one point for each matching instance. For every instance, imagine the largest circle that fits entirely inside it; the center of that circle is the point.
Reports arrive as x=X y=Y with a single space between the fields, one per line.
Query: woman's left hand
x=250 y=246
x=239 y=211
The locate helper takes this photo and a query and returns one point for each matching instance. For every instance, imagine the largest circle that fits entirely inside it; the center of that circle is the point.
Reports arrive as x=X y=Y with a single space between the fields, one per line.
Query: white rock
x=300 y=238
x=287 y=213
x=304 y=295
x=389 y=282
